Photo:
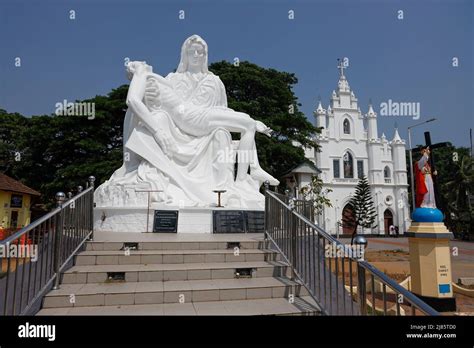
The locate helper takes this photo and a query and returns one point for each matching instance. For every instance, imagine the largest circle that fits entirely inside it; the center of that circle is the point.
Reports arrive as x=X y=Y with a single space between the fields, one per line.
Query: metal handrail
x=29 y=227
x=44 y=218
x=300 y=241
x=56 y=237
x=408 y=295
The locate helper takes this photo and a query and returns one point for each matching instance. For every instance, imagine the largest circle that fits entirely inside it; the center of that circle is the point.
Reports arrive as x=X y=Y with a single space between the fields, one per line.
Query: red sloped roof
x=9 y=184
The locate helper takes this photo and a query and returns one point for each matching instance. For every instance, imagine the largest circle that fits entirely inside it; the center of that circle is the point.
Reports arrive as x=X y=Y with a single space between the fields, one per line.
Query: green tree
x=315 y=193
x=363 y=208
x=267 y=95
x=457 y=191
x=58 y=153
x=10 y=135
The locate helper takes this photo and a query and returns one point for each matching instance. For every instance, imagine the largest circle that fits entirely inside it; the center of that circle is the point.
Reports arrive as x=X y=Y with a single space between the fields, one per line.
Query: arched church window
x=386 y=172
x=347 y=126
x=348 y=165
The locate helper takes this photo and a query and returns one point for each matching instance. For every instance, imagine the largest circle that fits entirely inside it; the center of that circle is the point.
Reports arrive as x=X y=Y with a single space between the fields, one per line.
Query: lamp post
x=379 y=204
x=404 y=198
x=411 y=160
x=292 y=183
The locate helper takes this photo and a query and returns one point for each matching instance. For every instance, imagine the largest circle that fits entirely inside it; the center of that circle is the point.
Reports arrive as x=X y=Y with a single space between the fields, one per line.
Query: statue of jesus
x=425 y=195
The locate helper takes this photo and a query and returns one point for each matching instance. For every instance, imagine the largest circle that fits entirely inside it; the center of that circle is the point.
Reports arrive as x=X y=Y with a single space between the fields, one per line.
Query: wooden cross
x=432 y=161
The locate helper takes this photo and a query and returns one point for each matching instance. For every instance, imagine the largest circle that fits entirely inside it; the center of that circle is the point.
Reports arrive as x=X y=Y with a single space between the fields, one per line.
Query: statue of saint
x=176 y=130
x=425 y=195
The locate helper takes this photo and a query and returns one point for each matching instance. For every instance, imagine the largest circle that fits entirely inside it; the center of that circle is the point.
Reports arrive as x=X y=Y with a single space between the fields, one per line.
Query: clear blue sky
x=407 y=60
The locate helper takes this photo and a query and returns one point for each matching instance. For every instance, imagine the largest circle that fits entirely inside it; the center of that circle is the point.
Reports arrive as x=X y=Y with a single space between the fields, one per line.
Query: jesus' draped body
x=193 y=96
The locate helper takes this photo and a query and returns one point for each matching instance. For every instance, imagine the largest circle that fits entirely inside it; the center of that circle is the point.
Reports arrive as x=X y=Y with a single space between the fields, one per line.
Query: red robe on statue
x=421 y=188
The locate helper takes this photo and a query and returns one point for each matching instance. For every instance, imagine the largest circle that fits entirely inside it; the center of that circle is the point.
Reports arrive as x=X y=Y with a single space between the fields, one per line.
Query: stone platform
x=160 y=218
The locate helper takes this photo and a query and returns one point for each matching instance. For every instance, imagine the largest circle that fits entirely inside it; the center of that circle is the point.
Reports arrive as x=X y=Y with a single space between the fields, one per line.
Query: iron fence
x=34 y=257
x=335 y=275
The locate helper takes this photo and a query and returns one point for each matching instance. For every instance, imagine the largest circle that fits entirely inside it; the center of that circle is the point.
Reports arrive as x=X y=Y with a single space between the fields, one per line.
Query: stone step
x=174 y=245
x=118 y=257
x=179 y=271
x=83 y=295
x=274 y=306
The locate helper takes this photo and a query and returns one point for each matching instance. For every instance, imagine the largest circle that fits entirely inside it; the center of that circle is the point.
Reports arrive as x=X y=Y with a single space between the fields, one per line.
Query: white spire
x=371 y=112
x=320 y=110
x=343 y=84
x=371 y=116
x=396 y=137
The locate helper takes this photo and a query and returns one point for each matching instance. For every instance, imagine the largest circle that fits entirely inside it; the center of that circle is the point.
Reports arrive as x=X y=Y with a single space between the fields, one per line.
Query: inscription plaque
x=255 y=221
x=238 y=221
x=228 y=221
x=165 y=221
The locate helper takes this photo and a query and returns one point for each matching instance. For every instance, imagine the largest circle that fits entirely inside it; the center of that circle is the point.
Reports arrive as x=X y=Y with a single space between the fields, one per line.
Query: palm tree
x=458 y=190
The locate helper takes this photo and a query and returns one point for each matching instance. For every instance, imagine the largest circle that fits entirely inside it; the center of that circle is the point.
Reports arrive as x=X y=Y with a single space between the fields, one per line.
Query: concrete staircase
x=178 y=275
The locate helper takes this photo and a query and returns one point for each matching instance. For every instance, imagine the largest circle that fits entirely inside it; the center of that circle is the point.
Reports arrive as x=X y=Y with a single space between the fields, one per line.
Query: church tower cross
x=341 y=66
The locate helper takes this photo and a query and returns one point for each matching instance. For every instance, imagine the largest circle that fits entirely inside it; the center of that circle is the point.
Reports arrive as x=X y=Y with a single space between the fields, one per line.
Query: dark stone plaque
x=228 y=221
x=238 y=221
x=165 y=221
x=255 y=221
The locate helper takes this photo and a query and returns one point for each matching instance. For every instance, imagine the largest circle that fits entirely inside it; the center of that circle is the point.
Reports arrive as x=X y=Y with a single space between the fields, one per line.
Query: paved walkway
x=462 y=263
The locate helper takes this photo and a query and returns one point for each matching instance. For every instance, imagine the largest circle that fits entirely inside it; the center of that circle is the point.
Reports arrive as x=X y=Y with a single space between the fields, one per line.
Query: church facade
x=351 y=148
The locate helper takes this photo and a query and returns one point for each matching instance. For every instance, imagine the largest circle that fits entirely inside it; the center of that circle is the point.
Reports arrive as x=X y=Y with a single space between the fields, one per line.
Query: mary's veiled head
x=194 y=55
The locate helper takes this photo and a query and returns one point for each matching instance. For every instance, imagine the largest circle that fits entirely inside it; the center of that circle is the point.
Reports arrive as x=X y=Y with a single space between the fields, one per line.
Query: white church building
x=351 y=148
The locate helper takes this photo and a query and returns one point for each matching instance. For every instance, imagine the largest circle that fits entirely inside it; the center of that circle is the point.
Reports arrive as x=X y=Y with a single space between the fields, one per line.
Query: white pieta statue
x=177 y=140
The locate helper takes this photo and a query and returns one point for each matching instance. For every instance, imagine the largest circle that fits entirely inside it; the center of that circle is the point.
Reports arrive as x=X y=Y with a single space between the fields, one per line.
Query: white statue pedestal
x=189 y=219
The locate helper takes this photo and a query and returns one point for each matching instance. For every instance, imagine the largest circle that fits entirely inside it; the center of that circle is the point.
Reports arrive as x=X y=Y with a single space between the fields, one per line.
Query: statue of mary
x=177 y=140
